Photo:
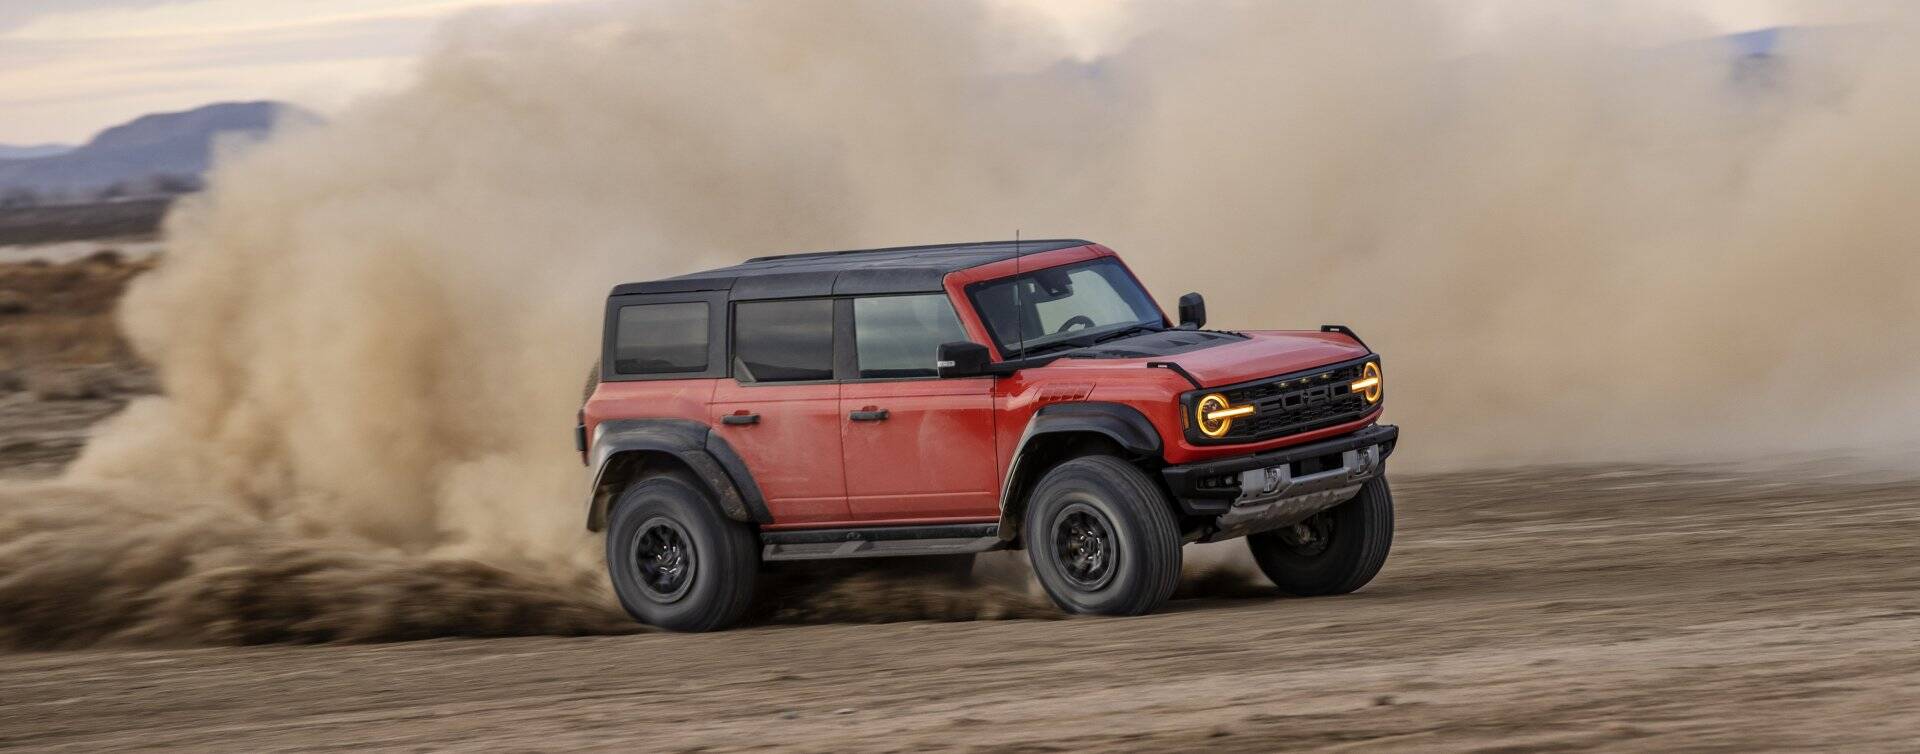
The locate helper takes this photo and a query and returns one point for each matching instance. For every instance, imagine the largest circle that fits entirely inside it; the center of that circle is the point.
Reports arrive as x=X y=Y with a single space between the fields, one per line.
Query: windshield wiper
x=1127 y=332
x=1091 y=339
x=1066 y=343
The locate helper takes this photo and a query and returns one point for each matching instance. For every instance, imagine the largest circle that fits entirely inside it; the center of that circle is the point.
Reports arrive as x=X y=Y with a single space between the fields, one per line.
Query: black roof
x=901 y=269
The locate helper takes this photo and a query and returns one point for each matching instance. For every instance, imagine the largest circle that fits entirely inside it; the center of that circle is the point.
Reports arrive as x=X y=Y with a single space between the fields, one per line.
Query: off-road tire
x=1360 y=535
x=722 y=555
x=1143 y=539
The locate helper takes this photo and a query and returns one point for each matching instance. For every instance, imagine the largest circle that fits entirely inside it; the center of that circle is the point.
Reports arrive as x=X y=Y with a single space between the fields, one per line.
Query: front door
x=916 y=447
x=781 y=409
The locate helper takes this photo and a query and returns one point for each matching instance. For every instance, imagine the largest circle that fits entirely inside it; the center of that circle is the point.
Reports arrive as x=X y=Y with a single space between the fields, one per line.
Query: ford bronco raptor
x=950 y=400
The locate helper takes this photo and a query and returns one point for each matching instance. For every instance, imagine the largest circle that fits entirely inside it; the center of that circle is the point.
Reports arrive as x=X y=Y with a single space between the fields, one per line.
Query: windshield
x=1067 y=306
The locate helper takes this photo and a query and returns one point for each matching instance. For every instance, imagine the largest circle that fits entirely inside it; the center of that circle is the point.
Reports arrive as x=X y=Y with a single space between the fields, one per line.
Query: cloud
x=69 y=68
x=16 y=13
x=64 y=88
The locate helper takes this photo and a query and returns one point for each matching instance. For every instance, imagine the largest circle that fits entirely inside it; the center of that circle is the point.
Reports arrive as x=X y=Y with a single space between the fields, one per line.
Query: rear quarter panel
x=649 y=399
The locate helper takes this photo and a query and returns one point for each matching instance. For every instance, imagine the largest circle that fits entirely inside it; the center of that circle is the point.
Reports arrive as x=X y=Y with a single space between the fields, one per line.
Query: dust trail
x=87 y=564
x=1578 y=240
x=1594 y=233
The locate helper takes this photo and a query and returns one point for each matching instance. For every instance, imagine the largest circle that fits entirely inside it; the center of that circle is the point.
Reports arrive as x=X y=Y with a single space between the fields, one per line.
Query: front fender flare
x=1123 y=424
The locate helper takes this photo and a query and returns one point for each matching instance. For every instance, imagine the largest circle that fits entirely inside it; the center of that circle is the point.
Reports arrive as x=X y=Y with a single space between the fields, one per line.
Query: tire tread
x=733 y=567
x=1373 y=508
x=1153 y=514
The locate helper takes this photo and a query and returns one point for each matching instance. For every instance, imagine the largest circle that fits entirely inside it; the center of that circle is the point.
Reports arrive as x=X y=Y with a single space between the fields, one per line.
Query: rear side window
x=783 y=341
x=661 y=339
x=900 y=336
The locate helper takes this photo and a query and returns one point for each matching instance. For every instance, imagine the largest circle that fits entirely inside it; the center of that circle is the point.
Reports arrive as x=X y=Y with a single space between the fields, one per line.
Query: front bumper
x=1265 y=491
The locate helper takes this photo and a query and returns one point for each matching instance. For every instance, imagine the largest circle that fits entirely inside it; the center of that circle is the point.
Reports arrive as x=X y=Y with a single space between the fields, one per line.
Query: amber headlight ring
x=1370 y=385
x=1213 y=415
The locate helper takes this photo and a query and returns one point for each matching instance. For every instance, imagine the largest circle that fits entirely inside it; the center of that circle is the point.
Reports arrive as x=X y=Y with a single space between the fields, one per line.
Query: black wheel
x=675 y=561
x=1335 y=551
x=1102 y=538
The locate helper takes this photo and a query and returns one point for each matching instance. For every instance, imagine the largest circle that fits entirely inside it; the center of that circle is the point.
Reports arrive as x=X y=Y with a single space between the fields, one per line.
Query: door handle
x=868 y=415
x=740 y=419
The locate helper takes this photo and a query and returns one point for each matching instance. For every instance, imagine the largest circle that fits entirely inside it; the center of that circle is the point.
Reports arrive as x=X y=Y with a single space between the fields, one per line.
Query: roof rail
x=930 y=246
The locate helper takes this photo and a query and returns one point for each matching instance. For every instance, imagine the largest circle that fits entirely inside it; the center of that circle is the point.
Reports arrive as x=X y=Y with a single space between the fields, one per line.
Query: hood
x=1217 y=359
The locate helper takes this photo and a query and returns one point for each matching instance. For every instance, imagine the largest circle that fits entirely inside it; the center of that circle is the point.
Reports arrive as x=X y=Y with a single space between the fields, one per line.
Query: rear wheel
x=1335 y=551
x=1102 y=538
x=675 y=561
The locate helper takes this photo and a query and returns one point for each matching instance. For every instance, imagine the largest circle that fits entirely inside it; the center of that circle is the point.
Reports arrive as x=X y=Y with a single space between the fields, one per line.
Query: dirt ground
x=1552 y=608
x=63 y=364
x=51 y=224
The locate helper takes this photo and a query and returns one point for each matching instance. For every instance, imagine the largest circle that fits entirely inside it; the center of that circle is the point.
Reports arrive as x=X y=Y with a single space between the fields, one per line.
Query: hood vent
x=1150 y=345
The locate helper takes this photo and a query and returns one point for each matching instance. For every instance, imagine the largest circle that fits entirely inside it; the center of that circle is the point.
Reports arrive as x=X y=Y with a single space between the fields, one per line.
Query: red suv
x=949 y=400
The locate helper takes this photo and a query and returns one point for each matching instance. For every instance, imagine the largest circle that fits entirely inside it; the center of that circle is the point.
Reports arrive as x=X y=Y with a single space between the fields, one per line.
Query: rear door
x=917 y=447
x=781 y=409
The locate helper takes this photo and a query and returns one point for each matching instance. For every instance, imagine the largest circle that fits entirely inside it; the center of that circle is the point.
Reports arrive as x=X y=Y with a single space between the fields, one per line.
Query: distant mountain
x=154 y=154
x=12 y=152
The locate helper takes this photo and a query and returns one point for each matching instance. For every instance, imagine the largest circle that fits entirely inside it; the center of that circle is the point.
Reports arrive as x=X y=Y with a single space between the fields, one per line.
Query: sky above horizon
x=69 y=68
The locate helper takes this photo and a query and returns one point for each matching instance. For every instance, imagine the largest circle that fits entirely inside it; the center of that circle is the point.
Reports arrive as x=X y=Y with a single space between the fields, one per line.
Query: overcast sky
x=69 y=68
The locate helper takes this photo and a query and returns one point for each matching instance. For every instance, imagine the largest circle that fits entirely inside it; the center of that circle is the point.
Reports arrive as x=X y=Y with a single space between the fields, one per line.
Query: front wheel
x=1102 y=538
x=675 y=561
x=1334 y=551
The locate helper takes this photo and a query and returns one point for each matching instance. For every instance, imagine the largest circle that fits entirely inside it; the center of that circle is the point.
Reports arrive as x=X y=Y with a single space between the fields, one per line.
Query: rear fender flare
x=621 y=448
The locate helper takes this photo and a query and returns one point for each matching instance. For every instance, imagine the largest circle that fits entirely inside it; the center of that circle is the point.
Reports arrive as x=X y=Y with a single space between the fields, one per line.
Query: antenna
x=1019 y=311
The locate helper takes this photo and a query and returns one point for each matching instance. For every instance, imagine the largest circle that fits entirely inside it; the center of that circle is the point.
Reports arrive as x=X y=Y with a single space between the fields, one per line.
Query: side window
x=783 y=341
x=661 y=339
x=899 y=336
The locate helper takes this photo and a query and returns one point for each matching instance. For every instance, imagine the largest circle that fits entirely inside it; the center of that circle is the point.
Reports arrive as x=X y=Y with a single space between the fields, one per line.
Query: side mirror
x=962 y=359
x=1193 y=311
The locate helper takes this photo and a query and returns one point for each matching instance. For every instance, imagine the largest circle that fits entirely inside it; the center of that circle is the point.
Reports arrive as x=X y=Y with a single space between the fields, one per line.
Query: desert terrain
x=1547 y=608
x=1748 y=606
x=63 y=364
x=286 y=416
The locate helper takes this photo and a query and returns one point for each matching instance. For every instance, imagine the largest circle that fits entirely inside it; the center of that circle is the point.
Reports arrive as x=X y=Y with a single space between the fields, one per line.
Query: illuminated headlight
x=1214 y=415
x=1369 y=384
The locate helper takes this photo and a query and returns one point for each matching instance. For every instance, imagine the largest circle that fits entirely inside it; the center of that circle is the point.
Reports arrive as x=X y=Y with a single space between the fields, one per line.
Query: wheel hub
x=1310 y=537
x=1084 y=546
x=663 y=558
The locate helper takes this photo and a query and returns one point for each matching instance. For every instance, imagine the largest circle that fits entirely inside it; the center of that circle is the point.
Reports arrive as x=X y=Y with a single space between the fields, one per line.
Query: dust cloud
x=1601 y=232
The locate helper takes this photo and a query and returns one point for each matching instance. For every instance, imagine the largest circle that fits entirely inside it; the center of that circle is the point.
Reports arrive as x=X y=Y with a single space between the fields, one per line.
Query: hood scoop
x=1163 y=343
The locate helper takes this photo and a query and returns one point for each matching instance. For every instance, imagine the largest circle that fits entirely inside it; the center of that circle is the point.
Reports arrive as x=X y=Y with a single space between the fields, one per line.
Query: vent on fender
x=1061 y=393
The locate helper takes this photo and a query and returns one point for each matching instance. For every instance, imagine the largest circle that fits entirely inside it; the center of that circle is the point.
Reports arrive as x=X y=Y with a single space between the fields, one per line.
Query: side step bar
x=879 y=541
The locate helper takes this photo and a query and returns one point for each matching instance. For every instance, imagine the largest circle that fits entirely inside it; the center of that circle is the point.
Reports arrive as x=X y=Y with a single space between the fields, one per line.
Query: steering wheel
x=1077 y=319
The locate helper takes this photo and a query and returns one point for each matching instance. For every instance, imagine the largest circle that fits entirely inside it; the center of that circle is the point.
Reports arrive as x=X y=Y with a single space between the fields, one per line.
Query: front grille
x=1291 y=403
